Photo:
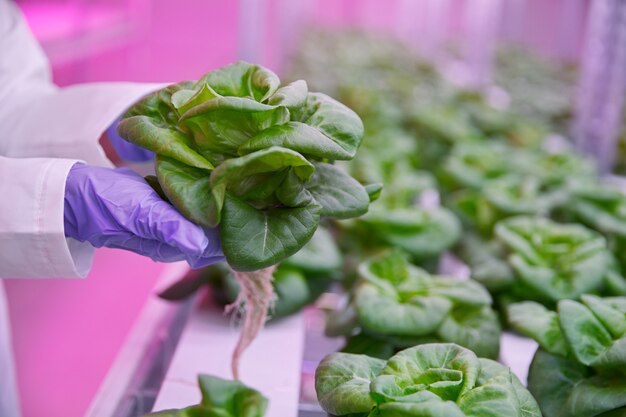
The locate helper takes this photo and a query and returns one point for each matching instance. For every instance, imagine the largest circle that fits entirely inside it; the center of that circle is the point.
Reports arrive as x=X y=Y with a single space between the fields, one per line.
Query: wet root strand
x=257 y=296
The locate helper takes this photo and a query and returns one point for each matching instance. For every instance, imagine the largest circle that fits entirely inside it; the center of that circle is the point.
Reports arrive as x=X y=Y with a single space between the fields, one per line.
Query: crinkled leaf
x=292 y=95
x=166 y=141
x=339 y=195
x=253 y=239
x=380 y=313
x=298 y=136
x=184 y=100
x=445 y=369
x=434 y=407
x=555 y=261
x=342 y=383
x=203 y=124
x=233 y=175
x=499 y=393
x=385 y=388
x=243 y=79
x=398 y=299
x=223 y=124
x=333 y=119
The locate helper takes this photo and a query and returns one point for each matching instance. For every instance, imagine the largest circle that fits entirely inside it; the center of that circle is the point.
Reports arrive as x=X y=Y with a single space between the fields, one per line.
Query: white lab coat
x=44 y=130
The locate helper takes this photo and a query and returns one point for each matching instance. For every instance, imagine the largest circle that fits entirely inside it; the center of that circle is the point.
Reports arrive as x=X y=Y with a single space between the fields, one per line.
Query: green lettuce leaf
x=342 y=383
x=222 y=398
x=583 y=373
x=401 y=304
x=434 y=380
x=187 y=188
x=253 y=239
x=554 y=261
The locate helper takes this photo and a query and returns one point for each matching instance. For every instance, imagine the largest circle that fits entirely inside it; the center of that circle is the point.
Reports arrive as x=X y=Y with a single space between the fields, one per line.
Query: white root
x=257 y=296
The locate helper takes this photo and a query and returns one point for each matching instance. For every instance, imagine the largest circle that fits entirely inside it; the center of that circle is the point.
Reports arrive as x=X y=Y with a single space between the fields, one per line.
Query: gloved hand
x=116 y=208
x=125 y=150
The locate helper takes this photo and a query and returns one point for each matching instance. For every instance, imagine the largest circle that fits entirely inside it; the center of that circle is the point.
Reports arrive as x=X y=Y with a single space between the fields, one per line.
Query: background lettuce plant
x=553 y=261
x=435 y=380
x=579 y=369
x=238 y=151
x=221 y=398
x=397 y=305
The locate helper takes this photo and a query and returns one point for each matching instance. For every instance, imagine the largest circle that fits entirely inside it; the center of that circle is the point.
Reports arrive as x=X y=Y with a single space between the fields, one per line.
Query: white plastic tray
x=271 y=364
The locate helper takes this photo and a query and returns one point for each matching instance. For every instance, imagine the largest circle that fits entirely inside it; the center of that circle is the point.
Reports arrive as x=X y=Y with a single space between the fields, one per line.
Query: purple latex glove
x=126 y=150
x=116 y=208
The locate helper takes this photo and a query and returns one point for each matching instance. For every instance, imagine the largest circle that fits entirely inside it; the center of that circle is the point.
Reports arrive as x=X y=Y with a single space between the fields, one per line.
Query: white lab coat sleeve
x=38 y=119
x=40 y=122
x=32 y=239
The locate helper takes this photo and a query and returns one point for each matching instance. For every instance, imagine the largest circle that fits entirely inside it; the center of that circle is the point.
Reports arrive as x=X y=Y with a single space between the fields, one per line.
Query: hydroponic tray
x=173 y=342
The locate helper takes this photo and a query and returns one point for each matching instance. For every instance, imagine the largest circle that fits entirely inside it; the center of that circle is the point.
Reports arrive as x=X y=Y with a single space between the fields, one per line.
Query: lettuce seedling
x=435 y=380
x=396 y=305
x=553 y=261
x=238 y=151
x=223 y=398
x=579 y=369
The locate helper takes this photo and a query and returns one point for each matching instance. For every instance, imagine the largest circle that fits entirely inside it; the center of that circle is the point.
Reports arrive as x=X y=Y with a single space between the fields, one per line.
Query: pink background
x=67 y=332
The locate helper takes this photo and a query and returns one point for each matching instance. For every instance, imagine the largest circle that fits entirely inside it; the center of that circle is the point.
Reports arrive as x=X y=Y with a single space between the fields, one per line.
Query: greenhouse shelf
x=172 y=343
